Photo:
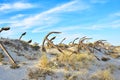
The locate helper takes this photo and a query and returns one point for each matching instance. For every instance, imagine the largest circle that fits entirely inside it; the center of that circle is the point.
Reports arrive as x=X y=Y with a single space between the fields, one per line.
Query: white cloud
x=51 y=16
x=36 y=22
x=112 y=20
x=15 y=6
x=117 y=14
x=109 y=24
x=115 y=24
x=13 y=32
x=61 y=29
x=65 y=29
x=70 y=6
x=17 y=16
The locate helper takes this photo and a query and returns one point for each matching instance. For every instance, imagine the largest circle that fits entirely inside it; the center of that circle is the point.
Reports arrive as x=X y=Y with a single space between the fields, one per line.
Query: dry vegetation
x=74 y=61
x=102 y=75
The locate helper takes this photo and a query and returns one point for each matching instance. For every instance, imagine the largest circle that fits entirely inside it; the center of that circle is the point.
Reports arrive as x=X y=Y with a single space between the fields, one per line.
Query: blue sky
x=99 y=19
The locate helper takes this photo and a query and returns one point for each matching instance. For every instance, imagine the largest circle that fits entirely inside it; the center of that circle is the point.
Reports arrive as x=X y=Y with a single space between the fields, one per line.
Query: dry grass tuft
x=75 y=61
x=84 y=57
x=43 y=62
x=102 y=75
x=112 y=67
x=39 y=74
x=81 y=57
x=115 y=55
x=68 y=76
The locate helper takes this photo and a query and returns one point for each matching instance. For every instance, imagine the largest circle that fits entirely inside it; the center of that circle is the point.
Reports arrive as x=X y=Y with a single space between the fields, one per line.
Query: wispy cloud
x=61 y=29
x=100 y=26
x=116 y=14
x=112 y=20
x=51 y=16
x=5 y=7
x=72 y=17
x=13 y=32
x=17 y=16
x=43 y=20
x=70 y=6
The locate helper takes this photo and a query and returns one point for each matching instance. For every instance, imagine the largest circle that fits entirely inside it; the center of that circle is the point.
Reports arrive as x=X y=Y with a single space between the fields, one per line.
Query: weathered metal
x=22 y=35
x=4 y=28
x=9 y=56
x=43 y=48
